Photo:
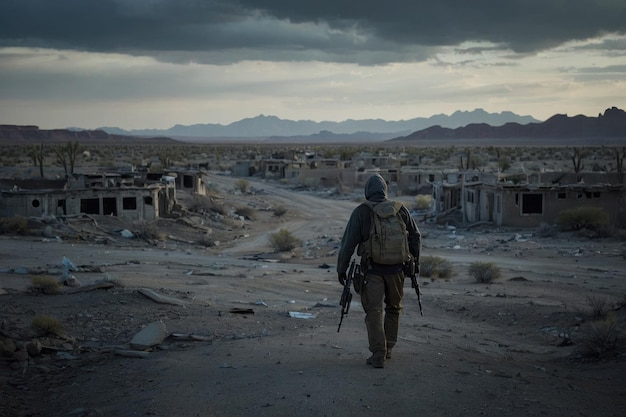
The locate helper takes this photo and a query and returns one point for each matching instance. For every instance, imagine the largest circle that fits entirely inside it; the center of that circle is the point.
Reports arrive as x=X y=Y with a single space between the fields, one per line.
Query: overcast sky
x=157 y=63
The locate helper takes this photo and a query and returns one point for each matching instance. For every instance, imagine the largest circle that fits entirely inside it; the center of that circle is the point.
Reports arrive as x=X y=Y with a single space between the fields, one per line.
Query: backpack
x=388 y=242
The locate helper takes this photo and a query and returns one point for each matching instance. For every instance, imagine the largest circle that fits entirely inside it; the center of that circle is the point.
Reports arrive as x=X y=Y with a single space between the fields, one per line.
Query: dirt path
x=479 y=350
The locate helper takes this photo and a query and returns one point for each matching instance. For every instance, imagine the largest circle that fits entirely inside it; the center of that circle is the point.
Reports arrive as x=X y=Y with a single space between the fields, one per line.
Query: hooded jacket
x=358 y=228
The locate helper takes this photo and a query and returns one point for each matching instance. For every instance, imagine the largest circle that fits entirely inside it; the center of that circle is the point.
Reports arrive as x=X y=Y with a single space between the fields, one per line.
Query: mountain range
x=375 y=129
x=611 y=124
x=463 y=128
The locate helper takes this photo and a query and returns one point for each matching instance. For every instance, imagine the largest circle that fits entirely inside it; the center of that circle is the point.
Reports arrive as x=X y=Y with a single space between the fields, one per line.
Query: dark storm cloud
x=524 y=25
x=363 y=31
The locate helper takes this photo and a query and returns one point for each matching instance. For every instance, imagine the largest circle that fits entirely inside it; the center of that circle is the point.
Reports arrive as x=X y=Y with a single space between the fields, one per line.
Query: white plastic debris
x=301 y=315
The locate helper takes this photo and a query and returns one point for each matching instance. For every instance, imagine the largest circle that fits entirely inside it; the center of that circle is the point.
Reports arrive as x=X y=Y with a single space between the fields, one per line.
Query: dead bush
x=600 y=337
x=284 y=240
x=13 y=225
x=583 y=218
x=280 y=211
x=149 y=231
x=207 y=240
x=200 y=203
x=599 y=306
x=484 y=272
x=242 y=185
x=423 y=201
x=435 y=267
x=46 y=285
x=46 y=325
x=546 y=230
x=246 y=212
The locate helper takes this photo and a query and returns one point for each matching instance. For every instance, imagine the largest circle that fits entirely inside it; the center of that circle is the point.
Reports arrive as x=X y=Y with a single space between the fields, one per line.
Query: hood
x=376 y=188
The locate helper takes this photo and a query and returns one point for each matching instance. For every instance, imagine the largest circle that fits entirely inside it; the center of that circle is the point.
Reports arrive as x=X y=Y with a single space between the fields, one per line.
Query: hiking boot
x=377 y=361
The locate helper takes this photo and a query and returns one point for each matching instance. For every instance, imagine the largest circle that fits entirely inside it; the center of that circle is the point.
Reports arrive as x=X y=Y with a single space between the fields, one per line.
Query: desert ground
x=254 y=331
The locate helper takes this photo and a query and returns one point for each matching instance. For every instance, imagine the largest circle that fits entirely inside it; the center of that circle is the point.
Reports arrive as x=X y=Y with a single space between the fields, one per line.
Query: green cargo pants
x=382 y=291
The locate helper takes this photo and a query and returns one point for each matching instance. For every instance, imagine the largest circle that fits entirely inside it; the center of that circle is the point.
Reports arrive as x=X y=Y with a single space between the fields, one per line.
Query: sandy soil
x=516 y=347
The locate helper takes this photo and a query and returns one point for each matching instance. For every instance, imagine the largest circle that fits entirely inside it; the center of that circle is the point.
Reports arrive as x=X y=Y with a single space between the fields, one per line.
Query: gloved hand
x=342 y=278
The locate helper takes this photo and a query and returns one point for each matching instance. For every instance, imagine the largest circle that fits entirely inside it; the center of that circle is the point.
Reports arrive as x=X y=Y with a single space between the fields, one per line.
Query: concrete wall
x=134 y=204
x=530 y=208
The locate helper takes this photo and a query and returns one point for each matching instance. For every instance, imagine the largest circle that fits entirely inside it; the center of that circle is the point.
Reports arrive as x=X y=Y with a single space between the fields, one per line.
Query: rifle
x=411 y=272
x=346 y=295
x=414 y=284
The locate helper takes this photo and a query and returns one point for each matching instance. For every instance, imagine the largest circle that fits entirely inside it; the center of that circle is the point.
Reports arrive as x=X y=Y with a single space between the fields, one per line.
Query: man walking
x=387 y=237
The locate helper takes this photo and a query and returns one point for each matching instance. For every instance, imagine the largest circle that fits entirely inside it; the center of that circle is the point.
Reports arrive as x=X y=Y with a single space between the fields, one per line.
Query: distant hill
x=32 y=134
x=611 y=124
x=274 y=127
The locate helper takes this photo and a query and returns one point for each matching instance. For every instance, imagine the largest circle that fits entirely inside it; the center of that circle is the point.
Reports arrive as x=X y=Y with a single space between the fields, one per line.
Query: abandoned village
x=464 y=195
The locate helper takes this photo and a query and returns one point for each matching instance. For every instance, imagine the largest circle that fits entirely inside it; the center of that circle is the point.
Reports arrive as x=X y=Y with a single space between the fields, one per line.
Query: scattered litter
x=237 y=310
x=190 y=337
x=127 y=234
x=301 y=315
x=159 y=298
x=132 y=353
x=330 y=305
x=66 y=267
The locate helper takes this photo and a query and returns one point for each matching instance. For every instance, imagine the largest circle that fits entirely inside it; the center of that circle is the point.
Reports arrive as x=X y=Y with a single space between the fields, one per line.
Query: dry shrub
x=484 y=272
x=46 y=285
x=280 y=211
x=13 y=225
x=149 y=231
x=546 y=230
x=201 y=203
x=207 y=240
x=112 y=278
x=284 y=240
x=246 y=212
x=583 y=218
x=242 y=185
x=45 y=325
x=423 y=201
x=599 y=306
x=435 y=267
x=601 y=336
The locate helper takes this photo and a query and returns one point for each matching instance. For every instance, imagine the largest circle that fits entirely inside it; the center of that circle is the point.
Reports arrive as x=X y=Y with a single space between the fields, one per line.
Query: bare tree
x=66 y=156
x=59 y=151
x=619 y=161
x=468 y=160
x=37 y=154
x=577 y=159
x=72 y=149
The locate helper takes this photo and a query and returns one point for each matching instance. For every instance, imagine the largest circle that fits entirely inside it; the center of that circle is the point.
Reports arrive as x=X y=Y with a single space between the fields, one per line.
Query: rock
x=71 y=281
x=151 y=335
x=48 y=232
x=20 y=355
x=34 y=348
x=7 y=346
